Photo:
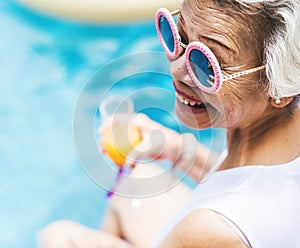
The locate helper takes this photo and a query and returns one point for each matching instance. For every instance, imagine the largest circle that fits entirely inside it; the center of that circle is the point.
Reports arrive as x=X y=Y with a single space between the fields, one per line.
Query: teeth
x=187 y=102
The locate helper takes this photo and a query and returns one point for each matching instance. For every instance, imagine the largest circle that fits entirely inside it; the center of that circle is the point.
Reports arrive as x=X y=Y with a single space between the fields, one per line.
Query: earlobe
x=281 y=102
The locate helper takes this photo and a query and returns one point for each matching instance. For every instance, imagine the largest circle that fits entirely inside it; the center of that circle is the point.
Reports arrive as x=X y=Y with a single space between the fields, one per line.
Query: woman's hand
x=184 y=150
x=158 y=142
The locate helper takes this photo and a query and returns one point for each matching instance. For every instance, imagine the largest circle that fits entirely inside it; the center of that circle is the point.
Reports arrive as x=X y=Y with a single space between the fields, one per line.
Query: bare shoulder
x=203 y=228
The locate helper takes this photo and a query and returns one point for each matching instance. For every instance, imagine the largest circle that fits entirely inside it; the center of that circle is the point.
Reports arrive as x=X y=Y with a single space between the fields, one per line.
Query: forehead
x=219 y=25
x=211 y=18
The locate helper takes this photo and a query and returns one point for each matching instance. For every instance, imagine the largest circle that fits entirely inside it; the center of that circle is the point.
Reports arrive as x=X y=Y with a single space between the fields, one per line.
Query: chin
x=192 y=117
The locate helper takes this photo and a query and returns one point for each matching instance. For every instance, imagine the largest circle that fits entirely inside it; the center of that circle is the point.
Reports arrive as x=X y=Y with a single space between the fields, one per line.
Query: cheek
x=239 y=113
x=231 y=104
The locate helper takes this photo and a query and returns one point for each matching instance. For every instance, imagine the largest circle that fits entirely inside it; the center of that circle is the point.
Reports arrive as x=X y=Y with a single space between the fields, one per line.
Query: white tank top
x=262 y=202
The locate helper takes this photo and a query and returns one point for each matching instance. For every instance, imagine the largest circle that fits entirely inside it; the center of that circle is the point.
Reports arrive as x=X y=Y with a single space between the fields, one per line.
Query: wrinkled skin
x=231 y=39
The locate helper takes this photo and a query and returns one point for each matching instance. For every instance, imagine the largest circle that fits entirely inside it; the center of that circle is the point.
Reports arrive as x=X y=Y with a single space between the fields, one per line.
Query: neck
x=268 y=142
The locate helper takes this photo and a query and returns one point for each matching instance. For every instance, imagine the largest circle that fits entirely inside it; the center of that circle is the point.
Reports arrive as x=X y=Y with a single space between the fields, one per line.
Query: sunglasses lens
x=167 y=33
x=201 y=68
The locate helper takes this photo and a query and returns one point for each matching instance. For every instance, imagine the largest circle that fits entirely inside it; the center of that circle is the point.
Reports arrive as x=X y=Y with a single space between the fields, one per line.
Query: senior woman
x=236 y=65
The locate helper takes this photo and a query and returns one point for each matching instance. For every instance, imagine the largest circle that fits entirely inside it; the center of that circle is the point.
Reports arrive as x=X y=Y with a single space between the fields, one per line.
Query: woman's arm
x=160 y=142
x=195 y=158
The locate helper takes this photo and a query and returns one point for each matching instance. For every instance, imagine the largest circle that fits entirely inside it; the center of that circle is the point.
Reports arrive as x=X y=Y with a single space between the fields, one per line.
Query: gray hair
x=282 y=47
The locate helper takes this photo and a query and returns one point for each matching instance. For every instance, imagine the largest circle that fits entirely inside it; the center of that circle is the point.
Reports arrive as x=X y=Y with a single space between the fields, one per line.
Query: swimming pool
x=45 y=64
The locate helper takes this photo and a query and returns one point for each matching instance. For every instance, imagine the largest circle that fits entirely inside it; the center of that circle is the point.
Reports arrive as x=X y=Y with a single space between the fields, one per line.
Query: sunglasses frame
x=195 y=45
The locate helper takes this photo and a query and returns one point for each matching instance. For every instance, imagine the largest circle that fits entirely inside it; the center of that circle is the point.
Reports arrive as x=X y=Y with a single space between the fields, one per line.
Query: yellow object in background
x=118 y=140
x=101 y=11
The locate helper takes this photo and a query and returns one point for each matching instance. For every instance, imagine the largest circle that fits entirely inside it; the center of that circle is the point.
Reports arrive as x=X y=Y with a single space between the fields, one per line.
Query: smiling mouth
x=189 y=103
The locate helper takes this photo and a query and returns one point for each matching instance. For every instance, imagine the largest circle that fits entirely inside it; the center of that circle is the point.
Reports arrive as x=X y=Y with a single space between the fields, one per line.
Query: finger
x=152 y=147
x=140 y=151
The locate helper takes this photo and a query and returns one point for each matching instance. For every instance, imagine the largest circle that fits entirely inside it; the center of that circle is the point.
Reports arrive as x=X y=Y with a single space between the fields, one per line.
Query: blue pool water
x=44 y=65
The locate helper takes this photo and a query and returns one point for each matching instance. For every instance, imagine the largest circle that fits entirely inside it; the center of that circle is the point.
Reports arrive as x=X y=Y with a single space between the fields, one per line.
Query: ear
x=284 y=101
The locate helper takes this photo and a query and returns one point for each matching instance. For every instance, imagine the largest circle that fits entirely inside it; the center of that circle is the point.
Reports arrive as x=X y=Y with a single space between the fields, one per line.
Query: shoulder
x=203 y=228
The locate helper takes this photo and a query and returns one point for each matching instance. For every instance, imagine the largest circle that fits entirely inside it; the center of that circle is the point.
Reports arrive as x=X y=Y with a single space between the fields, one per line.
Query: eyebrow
x=215 y=42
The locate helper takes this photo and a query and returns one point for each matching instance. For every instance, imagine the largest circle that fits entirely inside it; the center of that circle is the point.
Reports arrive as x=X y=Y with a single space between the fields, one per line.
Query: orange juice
x=118 y=140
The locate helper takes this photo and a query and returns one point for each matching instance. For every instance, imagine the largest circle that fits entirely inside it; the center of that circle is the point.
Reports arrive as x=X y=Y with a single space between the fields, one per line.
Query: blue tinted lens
x=167 y=34
x=201 y=68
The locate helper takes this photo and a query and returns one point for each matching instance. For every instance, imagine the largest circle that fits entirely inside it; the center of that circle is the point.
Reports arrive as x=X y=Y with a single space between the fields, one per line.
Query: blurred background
x=45 y=61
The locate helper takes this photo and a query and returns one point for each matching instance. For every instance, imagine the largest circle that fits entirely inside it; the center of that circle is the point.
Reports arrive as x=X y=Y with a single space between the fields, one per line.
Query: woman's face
x=240 y=102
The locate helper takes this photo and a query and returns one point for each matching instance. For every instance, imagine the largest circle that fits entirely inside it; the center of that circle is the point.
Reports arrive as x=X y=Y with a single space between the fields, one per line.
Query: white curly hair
x=282 y=48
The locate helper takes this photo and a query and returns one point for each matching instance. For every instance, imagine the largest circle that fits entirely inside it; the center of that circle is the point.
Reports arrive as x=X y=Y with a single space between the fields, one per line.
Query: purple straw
x=118 y=179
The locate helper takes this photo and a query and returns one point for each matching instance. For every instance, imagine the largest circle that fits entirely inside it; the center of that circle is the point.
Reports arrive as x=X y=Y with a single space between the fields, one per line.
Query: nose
x=179 y=71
